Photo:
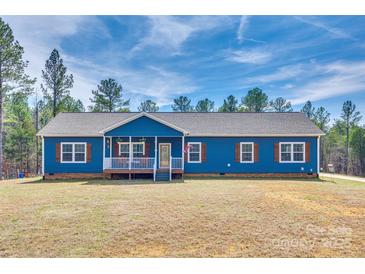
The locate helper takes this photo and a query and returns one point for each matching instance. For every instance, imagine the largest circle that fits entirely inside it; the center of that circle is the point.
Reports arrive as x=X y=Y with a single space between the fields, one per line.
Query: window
x=194 y=155
x=292 y=152
x=138 y=149
x=73 y=152
x=246 y=152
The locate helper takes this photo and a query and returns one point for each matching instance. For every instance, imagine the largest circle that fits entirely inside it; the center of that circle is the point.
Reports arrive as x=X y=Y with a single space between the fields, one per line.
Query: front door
x=165 y=152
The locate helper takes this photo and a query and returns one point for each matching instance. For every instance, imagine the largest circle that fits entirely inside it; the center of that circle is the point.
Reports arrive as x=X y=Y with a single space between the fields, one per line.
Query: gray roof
x=193 y=123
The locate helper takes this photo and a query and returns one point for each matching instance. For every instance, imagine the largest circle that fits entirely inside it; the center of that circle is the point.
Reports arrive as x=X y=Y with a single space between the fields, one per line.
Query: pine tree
x=350 y=118
x=12 y=75
x=308 y=110
x=182 y=104
x=108 y=97
x=255 y=101
x=56 y=80
x=281 y=105
x=148 y=106
x=229 y=104
x=205 y=105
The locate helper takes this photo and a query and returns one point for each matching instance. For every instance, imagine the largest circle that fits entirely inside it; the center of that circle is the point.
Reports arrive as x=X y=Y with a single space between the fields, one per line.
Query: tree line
x=20 y=150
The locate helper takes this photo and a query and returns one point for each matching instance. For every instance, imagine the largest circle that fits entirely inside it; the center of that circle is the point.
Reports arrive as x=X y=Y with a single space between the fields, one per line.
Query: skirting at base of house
x=55 y=176
x=253 y=175
x=192 y=175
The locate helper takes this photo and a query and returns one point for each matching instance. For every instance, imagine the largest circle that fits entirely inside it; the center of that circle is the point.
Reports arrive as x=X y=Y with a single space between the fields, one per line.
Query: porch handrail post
x=170 y=167
x=130 y=152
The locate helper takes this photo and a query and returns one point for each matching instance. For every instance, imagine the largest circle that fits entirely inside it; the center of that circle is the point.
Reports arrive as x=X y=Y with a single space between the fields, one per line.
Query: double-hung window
x=246 y=152
x=137 y=149
x=73 y=152
x=194 y=154
x=292 y=152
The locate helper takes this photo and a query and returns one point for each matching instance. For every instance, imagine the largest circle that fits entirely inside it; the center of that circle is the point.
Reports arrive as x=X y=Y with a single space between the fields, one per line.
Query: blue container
x=21 y=175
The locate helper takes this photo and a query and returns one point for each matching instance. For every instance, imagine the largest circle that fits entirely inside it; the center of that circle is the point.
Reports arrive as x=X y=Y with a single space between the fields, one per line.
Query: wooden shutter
x=116 y=150
x=237 y=152
x=307 y=152
x=256 y=152
x=204 y=152
x=147 y=150
x=276 y=152
x=58 y=152
x=88 y=153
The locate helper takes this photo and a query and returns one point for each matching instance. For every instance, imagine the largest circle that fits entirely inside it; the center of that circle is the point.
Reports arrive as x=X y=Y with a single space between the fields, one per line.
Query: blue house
x=166 y=145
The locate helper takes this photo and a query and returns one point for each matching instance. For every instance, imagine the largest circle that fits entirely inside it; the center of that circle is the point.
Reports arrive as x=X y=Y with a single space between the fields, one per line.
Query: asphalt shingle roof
x=195 y=123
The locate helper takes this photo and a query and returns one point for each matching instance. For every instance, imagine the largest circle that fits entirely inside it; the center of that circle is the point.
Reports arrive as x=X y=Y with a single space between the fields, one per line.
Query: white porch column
x=156 y=152
x=110 y=147
x=130 y=152
x=182 y=152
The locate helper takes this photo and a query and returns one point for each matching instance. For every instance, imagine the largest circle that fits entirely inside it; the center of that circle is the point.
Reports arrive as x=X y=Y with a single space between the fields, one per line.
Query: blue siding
x=143 y=126
x=95 y=166
x=220 y=155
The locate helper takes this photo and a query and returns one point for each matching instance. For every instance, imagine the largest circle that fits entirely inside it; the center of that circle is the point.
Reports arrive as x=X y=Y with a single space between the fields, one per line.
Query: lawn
x=195 y=218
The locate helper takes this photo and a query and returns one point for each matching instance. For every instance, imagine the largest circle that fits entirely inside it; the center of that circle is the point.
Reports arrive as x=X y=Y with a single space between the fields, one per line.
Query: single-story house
x=165 y=145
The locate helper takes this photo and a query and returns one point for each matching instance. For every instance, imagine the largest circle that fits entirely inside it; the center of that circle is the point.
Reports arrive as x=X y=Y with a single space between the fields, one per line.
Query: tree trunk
x=1 y=120
x=347 y=149
x=54 y=102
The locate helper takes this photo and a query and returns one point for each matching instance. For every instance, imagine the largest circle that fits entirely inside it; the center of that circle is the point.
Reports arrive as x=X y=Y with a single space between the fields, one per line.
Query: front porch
x=144 y=155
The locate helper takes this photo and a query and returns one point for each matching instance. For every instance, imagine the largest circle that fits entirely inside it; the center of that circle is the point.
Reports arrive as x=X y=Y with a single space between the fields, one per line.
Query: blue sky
x=301 y=58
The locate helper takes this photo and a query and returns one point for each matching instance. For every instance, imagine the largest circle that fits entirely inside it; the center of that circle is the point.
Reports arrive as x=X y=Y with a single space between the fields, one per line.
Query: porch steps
x=162 y=175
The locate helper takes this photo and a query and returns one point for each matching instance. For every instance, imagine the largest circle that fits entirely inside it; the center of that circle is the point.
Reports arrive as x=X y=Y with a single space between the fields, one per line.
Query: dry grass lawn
x=195 y=218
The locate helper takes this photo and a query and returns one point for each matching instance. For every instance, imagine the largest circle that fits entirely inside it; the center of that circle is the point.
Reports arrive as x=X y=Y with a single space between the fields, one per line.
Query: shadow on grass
x=100 y=182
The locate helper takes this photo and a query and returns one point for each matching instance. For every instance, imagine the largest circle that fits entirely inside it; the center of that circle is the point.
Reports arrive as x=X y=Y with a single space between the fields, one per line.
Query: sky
x=317 y=58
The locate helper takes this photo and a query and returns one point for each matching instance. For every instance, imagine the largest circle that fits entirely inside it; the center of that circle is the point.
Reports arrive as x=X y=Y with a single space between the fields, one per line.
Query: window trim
x=292 y=152
x=253 y=152
x=200 y=152
x=73 y=152
x=132 y=143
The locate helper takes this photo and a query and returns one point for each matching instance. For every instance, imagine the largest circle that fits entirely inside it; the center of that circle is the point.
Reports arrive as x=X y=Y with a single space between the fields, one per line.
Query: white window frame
x=200 y=152
x=291 y=152
x=73 y=152
x=253 y=152
x=132 y=143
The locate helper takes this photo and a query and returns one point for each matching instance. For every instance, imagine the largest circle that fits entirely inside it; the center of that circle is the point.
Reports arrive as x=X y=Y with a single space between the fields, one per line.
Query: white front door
x=165 y=153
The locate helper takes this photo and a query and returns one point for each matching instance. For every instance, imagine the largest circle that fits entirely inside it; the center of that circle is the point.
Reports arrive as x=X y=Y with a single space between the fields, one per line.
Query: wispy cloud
x=283 y=73
x=242 y=28
x=334 y=79
x=333 y=31
x=250 y=56
x=170 y=32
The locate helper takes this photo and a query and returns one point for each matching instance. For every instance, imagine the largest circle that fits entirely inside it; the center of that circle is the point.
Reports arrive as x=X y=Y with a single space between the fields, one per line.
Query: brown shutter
x=58 y=152
x=237 y=157
x=256 y=152
x=116 y=150
x=204 y=152
x=88 y=153
x=147 y=150
x=276 y=152
x=307 y=152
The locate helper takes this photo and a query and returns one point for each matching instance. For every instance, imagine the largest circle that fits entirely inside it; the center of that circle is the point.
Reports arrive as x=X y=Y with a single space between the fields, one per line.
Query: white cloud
x=170 y=32
x=334 y=32
x=283 y=73
x=242 y=27
x=334 y=79
x=250 y=56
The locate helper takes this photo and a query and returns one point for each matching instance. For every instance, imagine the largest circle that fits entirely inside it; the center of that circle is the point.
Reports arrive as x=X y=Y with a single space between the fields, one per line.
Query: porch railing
x=176 y=163
x=126 y=163
x=138 y=163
